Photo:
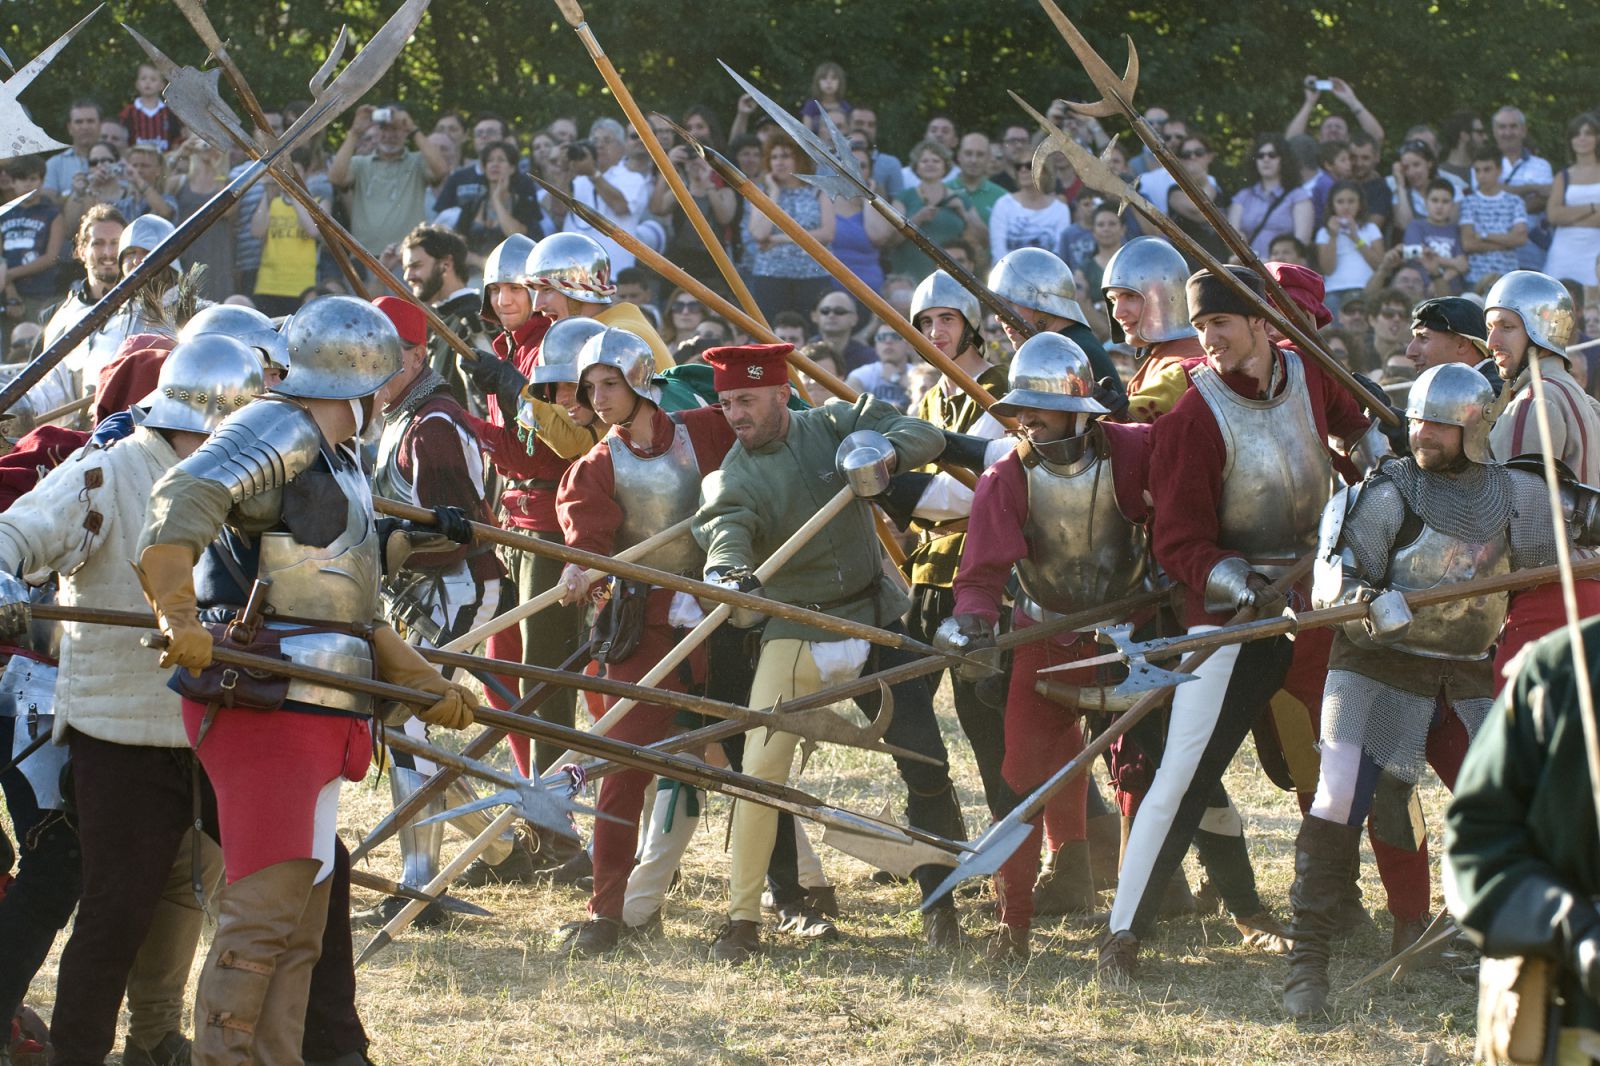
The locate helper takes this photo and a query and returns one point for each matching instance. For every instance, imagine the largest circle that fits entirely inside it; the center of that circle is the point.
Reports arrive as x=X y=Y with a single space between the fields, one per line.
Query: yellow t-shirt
x=288 y=257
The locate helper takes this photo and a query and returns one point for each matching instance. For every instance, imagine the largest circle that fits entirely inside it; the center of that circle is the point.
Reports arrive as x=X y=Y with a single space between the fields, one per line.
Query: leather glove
x=496 y=377
x=740 y=580
x=1259 y=593
x=900 y=500
x=166 y=573
x=15 y=605
x=1111 y=396
x=398 y=663
x=452 y=522
x=449 y=528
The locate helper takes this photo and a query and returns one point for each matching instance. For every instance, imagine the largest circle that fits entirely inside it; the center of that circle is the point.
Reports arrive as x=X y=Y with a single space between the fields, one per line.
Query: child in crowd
x=1435 y=241
x=30 y=236
x=827 y=94
x=1494 y=222
x=148 y=119
x=1348 y=249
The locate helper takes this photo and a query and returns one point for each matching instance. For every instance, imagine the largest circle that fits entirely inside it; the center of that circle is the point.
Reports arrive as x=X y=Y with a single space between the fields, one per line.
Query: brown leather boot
x=283 y=1015
x=737 y=941
x=941 y=926
x=1321 y=880
x=1406 y=933
x=1067 y=887
x=1008 y=943
x=1118 y=962
x=257 y=917
x=1105 y=850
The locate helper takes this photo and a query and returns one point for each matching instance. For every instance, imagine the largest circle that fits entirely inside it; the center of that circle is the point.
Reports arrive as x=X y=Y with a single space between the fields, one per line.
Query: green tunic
x=1523 y=812
x=758 y=499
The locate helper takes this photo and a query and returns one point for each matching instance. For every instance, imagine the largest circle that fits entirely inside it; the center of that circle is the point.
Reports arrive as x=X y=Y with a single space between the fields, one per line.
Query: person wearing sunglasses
x=1197 y=156
x=1272 y=206
x=684 y=314
x=102 y=183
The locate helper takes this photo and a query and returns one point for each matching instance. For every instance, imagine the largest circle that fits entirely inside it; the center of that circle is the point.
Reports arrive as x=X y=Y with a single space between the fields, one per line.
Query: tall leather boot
x=1067 y=886
x=160 y=972
x=257 y=917
x=1321 y=880
x=281 y=1030
x=1105 y=849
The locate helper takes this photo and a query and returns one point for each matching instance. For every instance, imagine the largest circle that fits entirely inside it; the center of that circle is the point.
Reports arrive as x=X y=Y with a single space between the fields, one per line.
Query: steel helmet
x=628 y=352
x=1052 y=373
x=573 y=265
x=1455 y=394
x=506 y=263
x=1156 y=271
x=939 y=289
x=203 y=380
x=144 y=233
x=340 y=348
x=558 y=351
x=1033 y=277
x=244 y=324
x=1543 y=303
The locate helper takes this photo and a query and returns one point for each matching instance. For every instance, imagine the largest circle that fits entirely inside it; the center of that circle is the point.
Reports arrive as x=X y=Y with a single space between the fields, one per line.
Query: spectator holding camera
x=1334 y=127
x=599 y=176
x=1276 y=204
x=102 y=183
x=388 y=188
x=202 y=171
x=1349 y=248
x=1434 y=239
x=146 y=172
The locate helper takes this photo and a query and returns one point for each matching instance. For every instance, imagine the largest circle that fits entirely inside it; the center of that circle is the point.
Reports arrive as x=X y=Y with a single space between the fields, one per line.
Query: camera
x=1322 y=85
x=383 y=115
x=1411 y=251
x=579 y=150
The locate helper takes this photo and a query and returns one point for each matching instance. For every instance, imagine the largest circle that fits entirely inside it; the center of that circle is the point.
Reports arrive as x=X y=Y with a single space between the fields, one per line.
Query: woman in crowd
x=859 y=234
x=938 y=210
x=102 y=183
x=1109 y=235
x=784 y=277
x=1408 y=185
x=1348 y=249
x=683 y=317
x=1574 y=210
x=1028 y=218
x=1276 y=204
x=500 y=210
x=1197 y=157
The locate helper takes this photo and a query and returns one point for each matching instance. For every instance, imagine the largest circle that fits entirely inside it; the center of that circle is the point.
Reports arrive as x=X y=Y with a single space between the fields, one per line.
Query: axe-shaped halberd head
x=998 y=843
x=819 y=725
x=837 y=174
x=19 y=136
x=1091 y=169
x=1143 y=677
x=194 y=96
x=1116 y=93
x=1421 y=953
x=547 y=808
x=898 y=857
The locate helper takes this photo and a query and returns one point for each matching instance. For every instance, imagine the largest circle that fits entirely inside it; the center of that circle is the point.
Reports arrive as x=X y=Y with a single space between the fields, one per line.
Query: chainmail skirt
x=1390 y=725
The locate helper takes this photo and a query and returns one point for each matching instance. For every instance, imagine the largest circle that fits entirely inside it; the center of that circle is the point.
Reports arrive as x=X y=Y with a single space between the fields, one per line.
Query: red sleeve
x=710 y=434
x=994 y=540
x=132 y=373
x=1338 y=412
x=586 y=503
x=437 y=460
x=1130 y=466
x=1187 y=456
x=36 y=453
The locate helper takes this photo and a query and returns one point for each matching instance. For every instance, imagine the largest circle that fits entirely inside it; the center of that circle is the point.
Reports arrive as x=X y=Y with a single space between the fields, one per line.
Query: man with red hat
x=530 y=468
x=1239 y=474
x=429 y=456
x=777 y=477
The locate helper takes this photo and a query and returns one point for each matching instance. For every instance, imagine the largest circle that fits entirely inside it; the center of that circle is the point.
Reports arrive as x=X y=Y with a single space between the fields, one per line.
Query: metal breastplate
x=654 y=494
x=1277 y=477
x=27 y=695
x=1082 y=551
x=386 y=477
x=1463 y=629
x=339 y=583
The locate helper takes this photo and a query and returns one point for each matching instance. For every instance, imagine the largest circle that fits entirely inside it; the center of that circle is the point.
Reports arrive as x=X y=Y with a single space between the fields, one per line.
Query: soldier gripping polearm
x=323 y=517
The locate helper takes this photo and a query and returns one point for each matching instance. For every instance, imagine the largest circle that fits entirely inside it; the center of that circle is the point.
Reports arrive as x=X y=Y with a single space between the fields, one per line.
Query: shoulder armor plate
x=258 y=449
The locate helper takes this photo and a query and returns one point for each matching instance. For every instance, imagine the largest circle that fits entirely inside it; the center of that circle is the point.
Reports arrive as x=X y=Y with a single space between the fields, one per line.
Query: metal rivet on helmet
x=202 y=381
x=1543 y=303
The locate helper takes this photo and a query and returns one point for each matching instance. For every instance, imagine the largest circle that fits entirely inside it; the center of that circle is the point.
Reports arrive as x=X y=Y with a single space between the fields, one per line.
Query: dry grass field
x=491 y=991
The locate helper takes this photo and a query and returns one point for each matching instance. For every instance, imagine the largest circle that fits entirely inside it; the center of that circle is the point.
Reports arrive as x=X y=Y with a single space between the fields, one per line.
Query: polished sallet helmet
x=202 y=381
x=939 y=289
x=573 y=265
x=1455 y=394
x=628 y=352
x=340 y=348
x=507 y=262
x=1156 y=271
x=1050 y=372
x=1544 y=305
x=558 y=351
x=244 y=324
x=1033 y=277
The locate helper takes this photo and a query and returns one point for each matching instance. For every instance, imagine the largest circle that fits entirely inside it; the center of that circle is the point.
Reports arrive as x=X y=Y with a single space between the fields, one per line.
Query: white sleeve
x=945 y=498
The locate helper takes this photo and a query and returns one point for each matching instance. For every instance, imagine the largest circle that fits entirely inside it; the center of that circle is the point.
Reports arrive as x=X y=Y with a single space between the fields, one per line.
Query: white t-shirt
x=1351 y=270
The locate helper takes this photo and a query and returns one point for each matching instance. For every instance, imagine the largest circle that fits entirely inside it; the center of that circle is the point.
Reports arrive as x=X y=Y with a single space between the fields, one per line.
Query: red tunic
x=995 y=540
x=1187 y=456
x=435 y=458
x=529 y=497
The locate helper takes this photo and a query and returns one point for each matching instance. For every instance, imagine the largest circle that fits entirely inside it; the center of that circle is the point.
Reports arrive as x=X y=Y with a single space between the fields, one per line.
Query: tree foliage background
x=1232 y=69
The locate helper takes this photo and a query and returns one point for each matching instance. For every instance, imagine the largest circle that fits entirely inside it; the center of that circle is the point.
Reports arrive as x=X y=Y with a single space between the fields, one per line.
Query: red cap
x=748 y=366
x=1304 y=287
x=408 y=319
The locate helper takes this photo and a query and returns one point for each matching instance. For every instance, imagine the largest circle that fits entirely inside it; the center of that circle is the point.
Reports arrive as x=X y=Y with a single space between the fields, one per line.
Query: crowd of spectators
x=1444 y=211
